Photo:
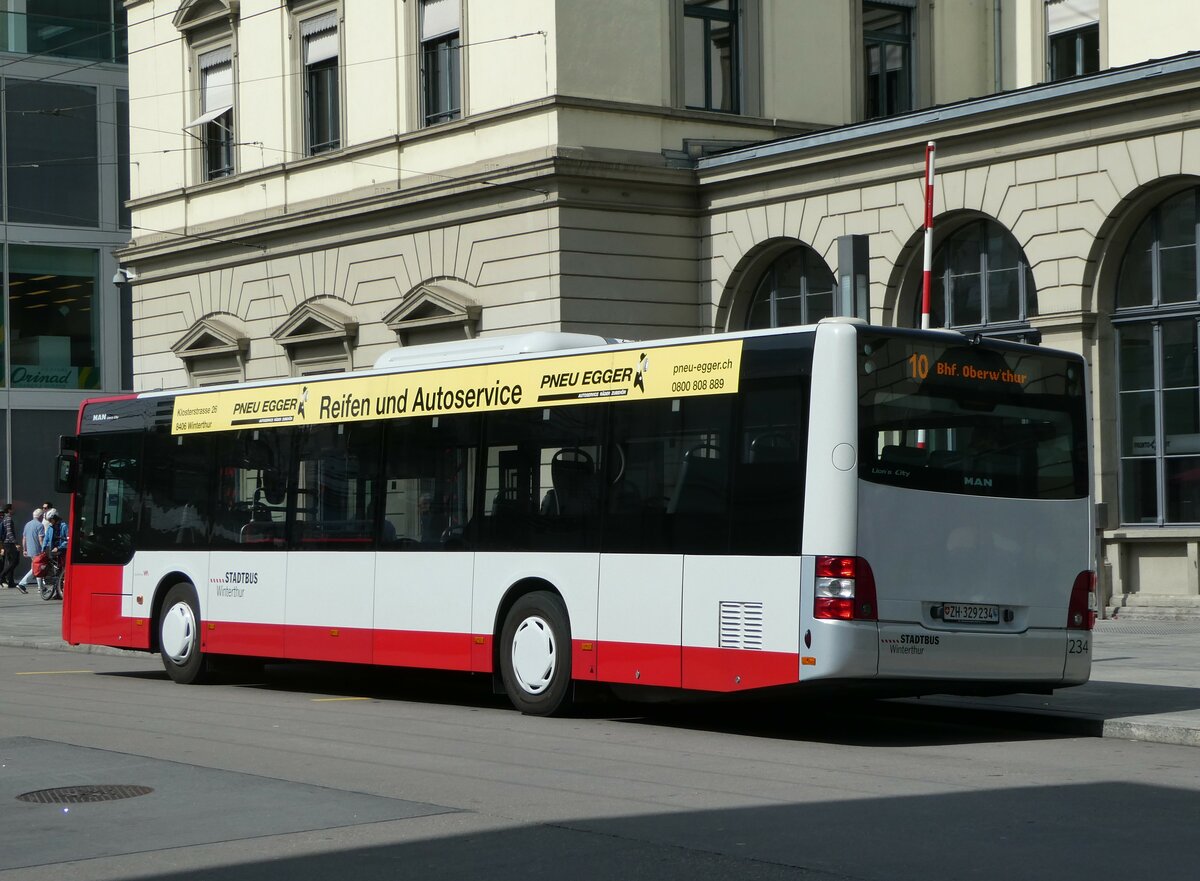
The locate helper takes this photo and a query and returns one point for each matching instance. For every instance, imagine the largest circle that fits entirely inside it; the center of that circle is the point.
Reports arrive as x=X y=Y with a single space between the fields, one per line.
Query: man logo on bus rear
x=982 y=482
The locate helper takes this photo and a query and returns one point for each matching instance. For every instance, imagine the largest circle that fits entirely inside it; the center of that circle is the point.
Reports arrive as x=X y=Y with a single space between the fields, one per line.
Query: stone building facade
x=322 y=180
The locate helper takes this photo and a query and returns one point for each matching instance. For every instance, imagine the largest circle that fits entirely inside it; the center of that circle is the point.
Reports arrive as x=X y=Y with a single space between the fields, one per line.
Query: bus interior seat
x=700 y=488
x=576 y=486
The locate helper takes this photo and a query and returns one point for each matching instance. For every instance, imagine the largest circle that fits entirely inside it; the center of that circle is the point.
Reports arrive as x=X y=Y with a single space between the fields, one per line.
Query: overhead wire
x=283 y=151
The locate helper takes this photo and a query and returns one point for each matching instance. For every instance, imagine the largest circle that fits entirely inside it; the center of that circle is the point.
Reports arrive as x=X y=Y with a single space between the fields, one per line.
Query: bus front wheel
x=179 y=635
x=535 y=654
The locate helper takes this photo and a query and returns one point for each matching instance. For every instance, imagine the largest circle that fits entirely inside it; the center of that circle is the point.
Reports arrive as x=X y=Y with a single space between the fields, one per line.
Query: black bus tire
x=179 y=635
x=535 y=655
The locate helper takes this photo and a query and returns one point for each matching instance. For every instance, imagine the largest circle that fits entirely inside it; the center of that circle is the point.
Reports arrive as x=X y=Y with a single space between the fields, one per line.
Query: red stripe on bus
x=639 y=663
x=417 y=648
x=347 y=644
x=709 y=669
x=236 y=638
x=692 y=667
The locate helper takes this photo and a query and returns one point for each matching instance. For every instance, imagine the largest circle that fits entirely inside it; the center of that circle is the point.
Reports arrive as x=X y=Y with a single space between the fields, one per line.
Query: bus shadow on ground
x=938 y=719
x=790 y=716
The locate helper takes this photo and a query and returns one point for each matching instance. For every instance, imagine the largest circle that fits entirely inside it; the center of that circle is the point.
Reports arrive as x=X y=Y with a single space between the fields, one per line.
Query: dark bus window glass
x=176 y=492
x=670 y=490
x=984 y=420
x=768 y=477
x=337 y=486
x=429 y=483
x=544 y=480
x=253 y=476
x=106 y=506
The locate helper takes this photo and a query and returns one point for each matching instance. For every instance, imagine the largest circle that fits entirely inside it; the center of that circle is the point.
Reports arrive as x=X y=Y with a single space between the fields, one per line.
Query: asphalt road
x=332 y=773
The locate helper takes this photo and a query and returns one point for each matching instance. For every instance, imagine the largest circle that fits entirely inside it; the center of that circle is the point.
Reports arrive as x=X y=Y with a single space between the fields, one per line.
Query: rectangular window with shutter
x=441 y=60
x=322 y=101
x=214 y=125
x=1073 y=38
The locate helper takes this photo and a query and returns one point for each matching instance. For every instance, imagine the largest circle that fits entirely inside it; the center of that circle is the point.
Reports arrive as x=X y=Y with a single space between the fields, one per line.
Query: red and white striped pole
x=927 y=280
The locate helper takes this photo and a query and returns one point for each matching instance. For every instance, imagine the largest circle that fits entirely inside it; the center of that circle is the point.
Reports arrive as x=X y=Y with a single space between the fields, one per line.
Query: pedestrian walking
x=12 y=552
x=32 y=540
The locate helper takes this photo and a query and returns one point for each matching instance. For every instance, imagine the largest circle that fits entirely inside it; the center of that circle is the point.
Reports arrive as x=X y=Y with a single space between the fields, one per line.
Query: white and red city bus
x=838 y=504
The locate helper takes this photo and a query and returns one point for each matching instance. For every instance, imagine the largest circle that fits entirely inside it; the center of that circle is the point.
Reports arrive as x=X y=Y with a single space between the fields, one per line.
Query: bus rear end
x=973 y=533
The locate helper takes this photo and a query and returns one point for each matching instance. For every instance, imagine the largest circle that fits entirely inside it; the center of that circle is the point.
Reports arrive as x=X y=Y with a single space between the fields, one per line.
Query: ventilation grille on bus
x=741 y=625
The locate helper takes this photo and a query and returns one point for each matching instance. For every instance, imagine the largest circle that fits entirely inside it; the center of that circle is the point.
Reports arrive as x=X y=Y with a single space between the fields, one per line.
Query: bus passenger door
x=329 y=613
x=423 y=571
x=247 y=564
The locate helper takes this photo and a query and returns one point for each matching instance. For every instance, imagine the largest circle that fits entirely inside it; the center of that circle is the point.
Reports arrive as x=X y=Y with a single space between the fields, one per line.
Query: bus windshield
x=982 y=419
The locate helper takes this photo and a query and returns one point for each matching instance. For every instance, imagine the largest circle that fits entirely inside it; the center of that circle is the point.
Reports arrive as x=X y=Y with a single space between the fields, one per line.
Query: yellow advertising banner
x=684 y=370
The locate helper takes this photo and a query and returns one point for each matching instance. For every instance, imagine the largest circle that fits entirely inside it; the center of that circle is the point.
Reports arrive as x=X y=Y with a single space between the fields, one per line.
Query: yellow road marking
x=325 y=700
x=51 y=672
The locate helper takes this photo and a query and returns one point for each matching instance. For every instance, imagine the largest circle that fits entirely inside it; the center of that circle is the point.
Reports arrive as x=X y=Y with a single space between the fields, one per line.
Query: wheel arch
x=168 y=581
x=515 y=592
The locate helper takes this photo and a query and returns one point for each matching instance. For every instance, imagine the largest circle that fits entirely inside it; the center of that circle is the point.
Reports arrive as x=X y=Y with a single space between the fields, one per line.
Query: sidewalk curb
x=60 y=646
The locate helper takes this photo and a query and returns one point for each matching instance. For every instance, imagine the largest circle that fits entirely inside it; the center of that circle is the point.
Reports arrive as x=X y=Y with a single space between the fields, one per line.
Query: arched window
x=1158 y=307
x=796 y=289
x=981 y=281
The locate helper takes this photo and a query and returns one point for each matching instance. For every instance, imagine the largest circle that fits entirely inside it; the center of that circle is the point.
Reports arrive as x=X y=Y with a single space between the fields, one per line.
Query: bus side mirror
x=65 y=470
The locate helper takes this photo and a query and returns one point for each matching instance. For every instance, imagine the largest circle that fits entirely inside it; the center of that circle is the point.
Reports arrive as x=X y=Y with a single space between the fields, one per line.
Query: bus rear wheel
x=535 y=654
x=179 y=635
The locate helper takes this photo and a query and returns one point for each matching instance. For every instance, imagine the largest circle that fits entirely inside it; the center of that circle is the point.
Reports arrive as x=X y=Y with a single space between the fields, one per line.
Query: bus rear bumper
x=909 y=651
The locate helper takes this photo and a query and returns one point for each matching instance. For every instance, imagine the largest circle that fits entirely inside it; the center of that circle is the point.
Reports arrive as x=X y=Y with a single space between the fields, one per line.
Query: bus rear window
x=977 y=419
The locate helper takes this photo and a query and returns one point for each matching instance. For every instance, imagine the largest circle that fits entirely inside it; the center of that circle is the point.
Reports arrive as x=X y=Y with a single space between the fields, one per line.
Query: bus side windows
x=429 y=483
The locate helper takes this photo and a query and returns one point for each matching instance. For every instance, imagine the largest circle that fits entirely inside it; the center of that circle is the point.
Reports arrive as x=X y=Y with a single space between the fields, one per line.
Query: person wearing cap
x=31 y=544
x=12 y=553
x=56 y=533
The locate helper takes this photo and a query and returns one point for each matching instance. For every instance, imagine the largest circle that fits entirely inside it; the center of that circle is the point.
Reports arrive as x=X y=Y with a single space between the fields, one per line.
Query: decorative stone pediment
x=319 y=336
x=319 y=320
x=214 y=349
x=435 y=305
x=198 y=13
x=212 y=335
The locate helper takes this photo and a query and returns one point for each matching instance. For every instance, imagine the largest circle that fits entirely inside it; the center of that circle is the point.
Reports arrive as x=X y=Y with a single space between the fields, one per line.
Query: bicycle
x=52 y=578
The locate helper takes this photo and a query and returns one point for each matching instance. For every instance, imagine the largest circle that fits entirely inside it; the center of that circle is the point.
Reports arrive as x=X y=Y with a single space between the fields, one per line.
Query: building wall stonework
x=1071 y=206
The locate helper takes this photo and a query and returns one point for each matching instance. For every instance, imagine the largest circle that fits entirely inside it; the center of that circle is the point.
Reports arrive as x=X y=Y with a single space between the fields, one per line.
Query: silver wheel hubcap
x=534 y=654
x=177 y=636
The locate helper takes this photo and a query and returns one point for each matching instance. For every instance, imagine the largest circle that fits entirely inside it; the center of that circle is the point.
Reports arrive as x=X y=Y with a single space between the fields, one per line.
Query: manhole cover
x=73 y=795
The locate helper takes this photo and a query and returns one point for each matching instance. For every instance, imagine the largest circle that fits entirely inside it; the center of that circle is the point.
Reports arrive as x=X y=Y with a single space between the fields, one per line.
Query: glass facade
x=65 y=154
x=93 y=30
x=35 y=436
x=53 y=332
x=52 y=153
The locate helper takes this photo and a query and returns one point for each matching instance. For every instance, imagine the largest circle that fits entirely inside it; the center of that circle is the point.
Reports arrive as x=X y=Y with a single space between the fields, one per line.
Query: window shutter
x=438 y=18
x=216 y=79
x=1066 y=15
x=320 y=38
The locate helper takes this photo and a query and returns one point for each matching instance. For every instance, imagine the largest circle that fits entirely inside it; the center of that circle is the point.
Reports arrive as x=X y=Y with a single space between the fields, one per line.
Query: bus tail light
x=845 y=589
x=1081 y=613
